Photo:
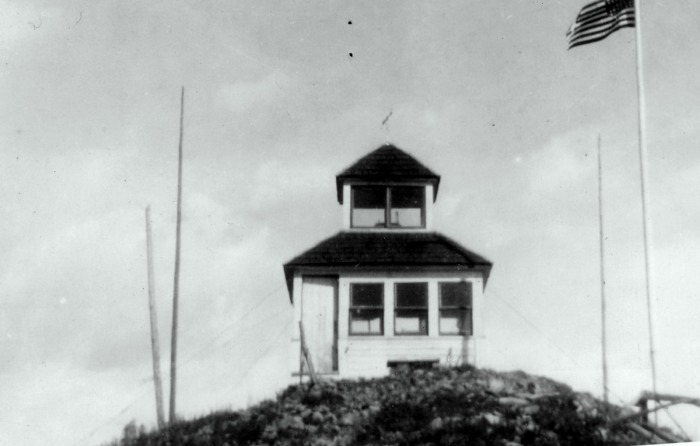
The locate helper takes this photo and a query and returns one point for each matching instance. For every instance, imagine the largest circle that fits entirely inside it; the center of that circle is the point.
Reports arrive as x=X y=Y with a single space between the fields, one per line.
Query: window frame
x=374 y=308
x=415 y=309
x=467 y=309
x=387 y=205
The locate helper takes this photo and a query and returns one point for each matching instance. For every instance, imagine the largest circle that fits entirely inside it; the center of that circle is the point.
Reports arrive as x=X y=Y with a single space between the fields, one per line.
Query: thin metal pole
x=643 y=172
x=176 y=284
x=155 y=343
x=602 y=274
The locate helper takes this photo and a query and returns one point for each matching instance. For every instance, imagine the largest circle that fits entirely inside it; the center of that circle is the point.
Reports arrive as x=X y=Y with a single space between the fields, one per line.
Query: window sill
x=403 y=338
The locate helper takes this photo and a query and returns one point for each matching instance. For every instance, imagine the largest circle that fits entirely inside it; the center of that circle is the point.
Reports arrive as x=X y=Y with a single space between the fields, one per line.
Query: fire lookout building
x=386 y=289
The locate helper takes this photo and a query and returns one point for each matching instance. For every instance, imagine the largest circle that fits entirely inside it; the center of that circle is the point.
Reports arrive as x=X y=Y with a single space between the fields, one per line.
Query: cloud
x=23 y=21
x=562 y=165
x=243 y=96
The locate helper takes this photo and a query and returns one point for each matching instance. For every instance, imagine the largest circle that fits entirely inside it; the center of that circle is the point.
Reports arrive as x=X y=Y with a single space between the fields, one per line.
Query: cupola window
x=400 y=206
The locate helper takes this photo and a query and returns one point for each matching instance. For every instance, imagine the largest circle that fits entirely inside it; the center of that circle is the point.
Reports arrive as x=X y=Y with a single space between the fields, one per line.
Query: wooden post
x=176 y=284
x=643 y=410
x=307 y=356
x=301 y=358
x=155 y=344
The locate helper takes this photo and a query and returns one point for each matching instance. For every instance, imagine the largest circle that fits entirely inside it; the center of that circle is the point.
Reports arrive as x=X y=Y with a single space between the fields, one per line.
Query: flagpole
x=644 y=173
x=602 y=275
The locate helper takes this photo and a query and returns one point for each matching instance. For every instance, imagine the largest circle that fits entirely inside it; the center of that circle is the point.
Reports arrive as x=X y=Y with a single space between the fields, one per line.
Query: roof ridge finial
x=386 y=126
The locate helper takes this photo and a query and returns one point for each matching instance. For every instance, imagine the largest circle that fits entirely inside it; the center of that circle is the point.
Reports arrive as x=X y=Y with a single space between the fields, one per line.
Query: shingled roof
x=384 y=249
x=387 y=163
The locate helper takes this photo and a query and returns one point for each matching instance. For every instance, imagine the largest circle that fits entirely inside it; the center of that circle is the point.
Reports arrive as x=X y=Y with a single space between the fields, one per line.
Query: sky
x=281 y=97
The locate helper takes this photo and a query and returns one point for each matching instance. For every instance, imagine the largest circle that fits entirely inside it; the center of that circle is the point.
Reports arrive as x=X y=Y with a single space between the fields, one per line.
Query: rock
x=492 y=418
x=205 y=431
x=531 y=409
x=512 y=401
x=291 y=422
x=533 y=387
x=456 y=420
x=413 y=437
x=436 y=424
x=269 y=433
x=348 y=419
x=448 y=387
x=260 y=419
x=496 y=385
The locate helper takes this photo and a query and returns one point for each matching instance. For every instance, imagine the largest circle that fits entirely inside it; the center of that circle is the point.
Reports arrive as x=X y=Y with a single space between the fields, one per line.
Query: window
x=456 y=308
x=368 y=207
x=406 y=206
x=366 y=308
x=401 y=206
x=411 y=309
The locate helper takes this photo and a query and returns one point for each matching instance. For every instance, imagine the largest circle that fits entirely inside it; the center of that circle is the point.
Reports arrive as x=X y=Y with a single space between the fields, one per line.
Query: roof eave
x=290 y=268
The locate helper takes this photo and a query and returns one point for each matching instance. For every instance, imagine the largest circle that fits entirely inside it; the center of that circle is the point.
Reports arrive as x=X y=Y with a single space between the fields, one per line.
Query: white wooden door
x=319 y=304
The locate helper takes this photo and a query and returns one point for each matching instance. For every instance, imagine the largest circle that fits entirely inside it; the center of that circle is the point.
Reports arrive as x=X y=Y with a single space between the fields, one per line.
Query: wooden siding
x=369 y=356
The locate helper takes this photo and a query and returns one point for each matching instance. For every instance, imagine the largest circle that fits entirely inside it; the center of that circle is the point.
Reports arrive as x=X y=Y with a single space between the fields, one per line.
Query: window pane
x=368 y=206
x=366 y=321
x=412 y=295
x=369 y=197
x=411 y=322
x=456 y=294
x=407 y=204
x=407 y=197
x=367 y=294
x=457 y=322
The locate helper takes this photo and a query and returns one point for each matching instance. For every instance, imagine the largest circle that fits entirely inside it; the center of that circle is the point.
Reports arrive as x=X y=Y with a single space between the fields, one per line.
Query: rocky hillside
x=440 y=406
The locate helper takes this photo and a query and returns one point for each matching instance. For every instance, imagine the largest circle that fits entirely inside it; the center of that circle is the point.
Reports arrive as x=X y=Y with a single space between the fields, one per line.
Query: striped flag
x=599 y=19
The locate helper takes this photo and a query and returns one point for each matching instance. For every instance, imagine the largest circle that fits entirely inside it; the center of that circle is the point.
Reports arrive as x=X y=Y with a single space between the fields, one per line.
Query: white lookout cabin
x=386 y=289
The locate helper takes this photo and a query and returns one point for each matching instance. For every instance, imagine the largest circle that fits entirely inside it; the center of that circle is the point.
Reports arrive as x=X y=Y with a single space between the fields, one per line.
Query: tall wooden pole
x=155 y=344
x=643 y=173
x=602 y=275
x=176 y=284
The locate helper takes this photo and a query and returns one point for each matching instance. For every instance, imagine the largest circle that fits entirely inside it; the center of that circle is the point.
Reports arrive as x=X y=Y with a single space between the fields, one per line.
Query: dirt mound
x=440 y=406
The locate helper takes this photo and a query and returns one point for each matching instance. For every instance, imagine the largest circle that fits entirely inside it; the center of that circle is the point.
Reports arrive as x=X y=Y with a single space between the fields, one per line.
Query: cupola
x=387 y=189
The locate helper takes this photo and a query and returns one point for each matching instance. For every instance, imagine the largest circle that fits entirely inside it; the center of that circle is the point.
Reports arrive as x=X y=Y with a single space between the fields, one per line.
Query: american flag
x=599 y=19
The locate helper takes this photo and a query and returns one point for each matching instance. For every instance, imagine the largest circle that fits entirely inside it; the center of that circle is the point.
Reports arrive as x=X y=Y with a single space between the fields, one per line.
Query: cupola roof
x=387 y=164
